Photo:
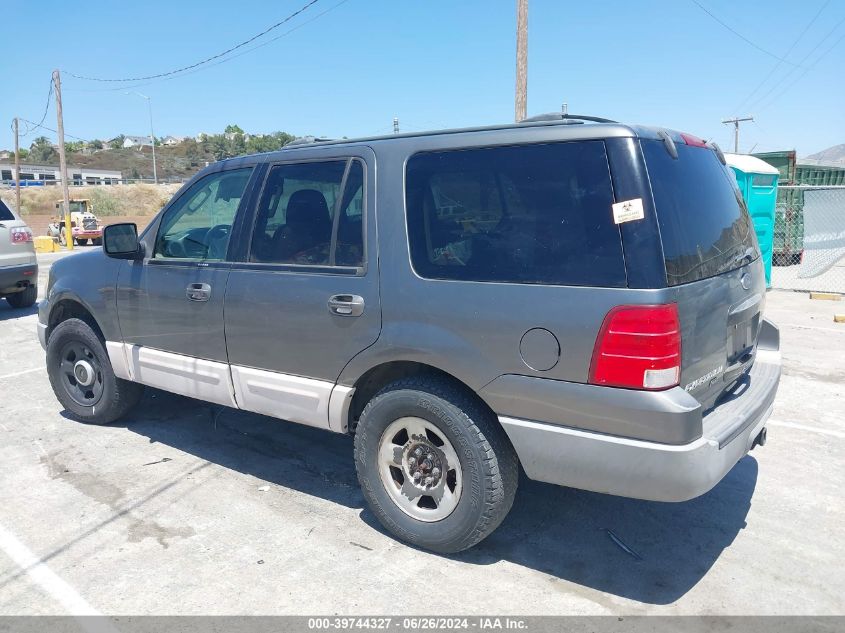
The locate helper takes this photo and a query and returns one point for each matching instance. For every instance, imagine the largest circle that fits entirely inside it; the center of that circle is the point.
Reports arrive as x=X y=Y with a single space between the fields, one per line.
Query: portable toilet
x=758 y=182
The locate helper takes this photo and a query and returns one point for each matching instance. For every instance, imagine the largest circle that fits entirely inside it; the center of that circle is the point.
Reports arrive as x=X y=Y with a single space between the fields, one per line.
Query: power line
x=788 y=75
x=779 y=62
x=801 y=76
x=49 y=129
x=219 y=62
x=740 y=35
x=29 y=130
x=204 y=61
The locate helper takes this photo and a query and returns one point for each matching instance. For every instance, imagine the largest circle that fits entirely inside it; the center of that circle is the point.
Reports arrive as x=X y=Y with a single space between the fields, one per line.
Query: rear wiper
x=747 y=254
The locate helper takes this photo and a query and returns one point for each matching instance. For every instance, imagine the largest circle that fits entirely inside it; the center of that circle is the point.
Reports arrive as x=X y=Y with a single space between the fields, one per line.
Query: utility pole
x=396 y=125
x=57 y=83
x=736 y=121
x=521 y=100
x=17 y=170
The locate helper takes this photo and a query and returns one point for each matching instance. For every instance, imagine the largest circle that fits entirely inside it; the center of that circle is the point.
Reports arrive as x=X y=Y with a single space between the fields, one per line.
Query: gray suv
x=577 y=297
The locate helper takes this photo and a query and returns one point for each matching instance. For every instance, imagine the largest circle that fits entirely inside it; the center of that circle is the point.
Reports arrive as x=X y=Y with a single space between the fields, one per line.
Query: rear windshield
x=5 y=213
x=524 y=214
x=704 y=224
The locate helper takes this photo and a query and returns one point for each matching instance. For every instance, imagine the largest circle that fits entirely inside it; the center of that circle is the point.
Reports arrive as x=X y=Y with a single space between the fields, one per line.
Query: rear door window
x=525 y=214
x=311 y=214
x=704 y=224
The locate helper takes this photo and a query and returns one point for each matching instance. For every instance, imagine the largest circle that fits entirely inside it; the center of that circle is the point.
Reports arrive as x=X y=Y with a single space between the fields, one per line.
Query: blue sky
x=432 y=63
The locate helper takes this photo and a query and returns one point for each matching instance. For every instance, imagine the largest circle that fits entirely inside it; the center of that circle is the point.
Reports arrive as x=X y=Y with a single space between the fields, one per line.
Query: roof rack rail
x=571 y=119
x=307 y=140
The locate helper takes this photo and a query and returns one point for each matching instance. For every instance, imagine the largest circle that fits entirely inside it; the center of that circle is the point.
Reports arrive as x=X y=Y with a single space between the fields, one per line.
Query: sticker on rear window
x=628 y=211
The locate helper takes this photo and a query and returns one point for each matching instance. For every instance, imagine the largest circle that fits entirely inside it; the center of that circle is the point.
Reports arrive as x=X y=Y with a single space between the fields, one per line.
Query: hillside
x=832 y=154
x=173 y=162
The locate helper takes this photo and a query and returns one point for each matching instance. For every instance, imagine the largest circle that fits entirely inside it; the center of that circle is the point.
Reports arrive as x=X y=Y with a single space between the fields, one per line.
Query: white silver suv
x=18 y=267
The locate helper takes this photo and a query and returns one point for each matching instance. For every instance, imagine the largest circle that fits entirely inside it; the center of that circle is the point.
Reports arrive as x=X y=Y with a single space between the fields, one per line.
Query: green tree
x=233 y=129
x=95 y=144
x=117 y=141
x=74 y=146
x=192 y=149
x=23 y=153
x=41 y=150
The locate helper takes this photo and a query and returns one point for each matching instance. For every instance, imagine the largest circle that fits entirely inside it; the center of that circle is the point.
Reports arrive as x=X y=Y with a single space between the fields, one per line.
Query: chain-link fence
x=808 y=252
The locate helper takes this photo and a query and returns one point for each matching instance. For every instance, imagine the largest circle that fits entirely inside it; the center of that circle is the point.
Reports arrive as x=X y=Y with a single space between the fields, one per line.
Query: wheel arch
x=69 y=307
x=381 y=375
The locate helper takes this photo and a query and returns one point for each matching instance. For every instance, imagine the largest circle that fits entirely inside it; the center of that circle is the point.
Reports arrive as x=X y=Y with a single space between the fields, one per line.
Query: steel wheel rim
x=412 y=445
x=81 y=374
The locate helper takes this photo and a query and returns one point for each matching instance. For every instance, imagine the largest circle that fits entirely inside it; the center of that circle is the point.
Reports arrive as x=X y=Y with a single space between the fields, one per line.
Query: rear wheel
x=97 y=241
x=436 y=468
x=82 y=377
x=23 y=299
x=81 y=242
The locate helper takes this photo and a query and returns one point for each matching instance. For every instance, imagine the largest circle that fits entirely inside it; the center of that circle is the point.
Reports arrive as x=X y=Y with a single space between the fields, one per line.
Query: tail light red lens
x=20 y=235
x=638 y=347
x=689 y=139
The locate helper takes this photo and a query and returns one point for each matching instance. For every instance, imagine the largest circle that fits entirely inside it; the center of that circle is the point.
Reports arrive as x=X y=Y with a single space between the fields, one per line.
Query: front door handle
x=198 y=292
x=346 y=305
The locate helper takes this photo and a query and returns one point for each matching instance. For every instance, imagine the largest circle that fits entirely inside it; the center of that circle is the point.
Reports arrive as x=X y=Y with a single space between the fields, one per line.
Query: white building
x=137 y=141
x=173 y=140
x=34 y=175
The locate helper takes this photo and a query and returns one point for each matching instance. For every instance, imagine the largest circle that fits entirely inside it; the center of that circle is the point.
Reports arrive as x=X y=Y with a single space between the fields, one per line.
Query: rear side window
x=5 y=213
x=704 y=224
x=524 y=214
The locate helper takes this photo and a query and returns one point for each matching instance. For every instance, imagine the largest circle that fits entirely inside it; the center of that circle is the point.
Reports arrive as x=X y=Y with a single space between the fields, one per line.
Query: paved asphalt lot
x=184 y=508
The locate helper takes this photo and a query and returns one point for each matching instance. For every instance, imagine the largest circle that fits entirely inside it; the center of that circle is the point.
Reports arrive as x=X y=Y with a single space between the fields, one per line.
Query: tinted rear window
x=5 y=213
x=704 y=224
x=525 y=214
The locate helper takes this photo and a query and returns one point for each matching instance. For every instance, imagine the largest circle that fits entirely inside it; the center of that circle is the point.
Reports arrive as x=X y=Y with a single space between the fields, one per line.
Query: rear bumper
x=650 y=470
x=16 y=278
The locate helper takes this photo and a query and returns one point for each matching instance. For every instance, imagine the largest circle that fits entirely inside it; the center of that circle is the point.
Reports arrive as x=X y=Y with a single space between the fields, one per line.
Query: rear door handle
x=198 y=292
x=346 y=305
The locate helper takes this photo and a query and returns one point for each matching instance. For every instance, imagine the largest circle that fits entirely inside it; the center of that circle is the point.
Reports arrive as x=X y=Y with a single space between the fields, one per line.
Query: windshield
x=704 y=224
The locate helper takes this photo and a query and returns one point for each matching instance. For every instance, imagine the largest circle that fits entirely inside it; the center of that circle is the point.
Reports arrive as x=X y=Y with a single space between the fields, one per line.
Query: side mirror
x=121 y=241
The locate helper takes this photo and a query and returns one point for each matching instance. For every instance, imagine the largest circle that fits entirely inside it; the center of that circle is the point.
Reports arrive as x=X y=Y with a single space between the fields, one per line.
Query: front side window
x=523 y=214
x=198 y=225
x=303 y=219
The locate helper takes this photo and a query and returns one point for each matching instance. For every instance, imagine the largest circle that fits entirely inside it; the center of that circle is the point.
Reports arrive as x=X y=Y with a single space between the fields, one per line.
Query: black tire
x=97 y=241
x=81 y=242
x=487 y=459
x=113 y=397
x=23 y=299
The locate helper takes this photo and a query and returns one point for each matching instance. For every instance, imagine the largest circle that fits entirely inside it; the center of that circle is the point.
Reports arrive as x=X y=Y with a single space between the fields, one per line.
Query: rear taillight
x=20 y=235
x=638 y=347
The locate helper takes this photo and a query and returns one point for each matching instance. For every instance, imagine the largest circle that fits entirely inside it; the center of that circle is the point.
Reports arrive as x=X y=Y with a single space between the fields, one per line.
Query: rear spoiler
x=689 y=139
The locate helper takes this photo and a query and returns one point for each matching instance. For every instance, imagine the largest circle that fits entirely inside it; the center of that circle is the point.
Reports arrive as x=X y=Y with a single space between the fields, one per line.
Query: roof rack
x=571 y=119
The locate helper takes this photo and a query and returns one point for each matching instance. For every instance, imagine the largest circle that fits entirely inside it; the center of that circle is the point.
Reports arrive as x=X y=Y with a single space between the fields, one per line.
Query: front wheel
x=436 y=468
x=82 y=377
x=97 y=241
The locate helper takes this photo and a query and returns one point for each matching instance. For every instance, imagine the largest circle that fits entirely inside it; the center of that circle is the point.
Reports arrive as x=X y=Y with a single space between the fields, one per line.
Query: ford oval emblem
x=745 y=280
